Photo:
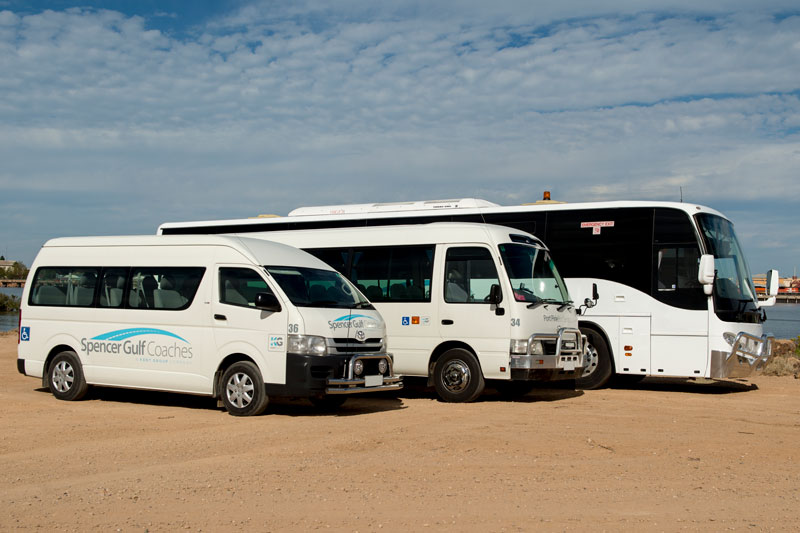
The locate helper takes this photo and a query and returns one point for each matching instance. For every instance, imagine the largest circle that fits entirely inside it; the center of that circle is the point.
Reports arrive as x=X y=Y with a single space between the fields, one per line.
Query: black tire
x=242 y=390
x=65 y=377
x=515 y=389
x=599 y=370
x=457 y=376
x=328 y=403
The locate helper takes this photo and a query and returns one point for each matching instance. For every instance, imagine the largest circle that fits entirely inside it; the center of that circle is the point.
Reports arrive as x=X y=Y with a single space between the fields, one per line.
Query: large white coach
x=239 y=319
x=463 y=303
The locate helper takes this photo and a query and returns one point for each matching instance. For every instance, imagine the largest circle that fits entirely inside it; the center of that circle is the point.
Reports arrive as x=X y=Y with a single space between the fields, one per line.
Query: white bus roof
x=342 y=213
x=435 y=232
x=258 y=251
x=391 y=207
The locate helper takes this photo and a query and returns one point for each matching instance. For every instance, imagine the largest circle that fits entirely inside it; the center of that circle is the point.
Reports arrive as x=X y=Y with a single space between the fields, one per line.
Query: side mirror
x=267 y=302
x=495 y=294
x=773 y=281
x=706 y=273
x=588 y=303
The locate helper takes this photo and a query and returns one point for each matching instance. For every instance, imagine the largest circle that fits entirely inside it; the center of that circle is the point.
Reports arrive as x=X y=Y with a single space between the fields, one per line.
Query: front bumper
x=565 y=358
x=749 y=355
x=314 y=375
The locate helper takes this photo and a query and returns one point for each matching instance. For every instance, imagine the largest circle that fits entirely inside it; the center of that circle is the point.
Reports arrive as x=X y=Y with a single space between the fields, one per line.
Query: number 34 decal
x=515 y=322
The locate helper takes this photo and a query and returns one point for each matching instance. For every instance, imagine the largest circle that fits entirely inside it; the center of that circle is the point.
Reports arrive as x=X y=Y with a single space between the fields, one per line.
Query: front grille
x=344 y=345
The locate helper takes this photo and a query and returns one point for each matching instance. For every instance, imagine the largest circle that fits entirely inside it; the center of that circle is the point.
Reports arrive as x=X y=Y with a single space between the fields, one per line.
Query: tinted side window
x=112 y=287
x=676 y=256
x=469 y=275
x=385 y=273
x=64 y=287
x=393 y=273
x=170 y=288
x=612 y=244
x=239 y=286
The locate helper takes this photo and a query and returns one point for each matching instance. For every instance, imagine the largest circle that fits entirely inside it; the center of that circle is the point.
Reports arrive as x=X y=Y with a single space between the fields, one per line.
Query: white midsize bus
x=239 y=319
x=676 y=294
x=463 y=303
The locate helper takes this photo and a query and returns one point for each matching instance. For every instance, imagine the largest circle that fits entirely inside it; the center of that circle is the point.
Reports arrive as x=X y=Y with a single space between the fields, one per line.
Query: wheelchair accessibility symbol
x=25 y=334
x=406 y=321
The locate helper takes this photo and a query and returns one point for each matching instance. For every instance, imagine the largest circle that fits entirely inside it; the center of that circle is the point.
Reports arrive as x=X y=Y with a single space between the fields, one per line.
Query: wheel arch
x=597 y=328
x=54 y=351
x=224 y=364
x=444 y=347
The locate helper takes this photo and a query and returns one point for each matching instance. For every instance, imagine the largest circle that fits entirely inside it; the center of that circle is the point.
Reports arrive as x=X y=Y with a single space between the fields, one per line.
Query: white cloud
x=281 y=105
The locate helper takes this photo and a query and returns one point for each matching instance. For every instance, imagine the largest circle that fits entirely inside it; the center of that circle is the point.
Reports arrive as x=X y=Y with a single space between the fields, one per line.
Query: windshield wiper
x=542 y=301
x=564 y=305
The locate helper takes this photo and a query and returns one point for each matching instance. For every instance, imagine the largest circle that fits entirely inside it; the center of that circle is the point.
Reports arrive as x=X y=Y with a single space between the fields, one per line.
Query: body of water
x=783 y=320
x=10 y=321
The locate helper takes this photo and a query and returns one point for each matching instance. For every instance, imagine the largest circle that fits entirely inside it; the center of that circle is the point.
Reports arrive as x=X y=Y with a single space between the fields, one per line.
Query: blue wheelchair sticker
x=406 y=320
x=25 y=334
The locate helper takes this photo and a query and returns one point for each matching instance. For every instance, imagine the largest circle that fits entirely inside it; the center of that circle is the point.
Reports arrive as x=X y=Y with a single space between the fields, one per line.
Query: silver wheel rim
x=63 y=376
x=240 y=390
x=456 y=376
x=592 y=360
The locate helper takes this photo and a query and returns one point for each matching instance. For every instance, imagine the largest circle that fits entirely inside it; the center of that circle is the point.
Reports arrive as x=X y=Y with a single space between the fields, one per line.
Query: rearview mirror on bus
x=495 y=294
x=706 y=272
x=773 y=281
x=267 y=302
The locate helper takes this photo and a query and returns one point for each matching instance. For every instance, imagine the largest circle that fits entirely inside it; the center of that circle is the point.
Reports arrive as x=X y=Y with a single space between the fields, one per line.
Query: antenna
x=681 y=188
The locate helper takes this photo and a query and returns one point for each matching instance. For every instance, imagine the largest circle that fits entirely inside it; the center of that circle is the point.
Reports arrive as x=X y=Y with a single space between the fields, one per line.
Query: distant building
x=6 y=265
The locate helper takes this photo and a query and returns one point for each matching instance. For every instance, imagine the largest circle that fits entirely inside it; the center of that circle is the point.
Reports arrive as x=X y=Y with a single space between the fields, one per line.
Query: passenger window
x=112 y=287
x=393 y=274
x=239 y=286
x=169 y=288
x=65 y=287
x=469 y=275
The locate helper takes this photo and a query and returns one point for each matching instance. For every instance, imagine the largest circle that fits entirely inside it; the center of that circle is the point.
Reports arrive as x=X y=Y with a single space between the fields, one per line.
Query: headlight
x=358 y=367
x=729 y=337
x=519 y=346
x=383 y=366
x=307 y=345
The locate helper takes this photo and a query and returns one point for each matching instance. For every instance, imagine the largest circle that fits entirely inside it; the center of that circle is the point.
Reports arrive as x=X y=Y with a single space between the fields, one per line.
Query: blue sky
x=118 y=116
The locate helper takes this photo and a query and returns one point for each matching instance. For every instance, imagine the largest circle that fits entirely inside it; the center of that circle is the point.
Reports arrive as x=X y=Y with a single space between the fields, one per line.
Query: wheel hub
x=63 y=377
x=456 y=376
x=240 y=390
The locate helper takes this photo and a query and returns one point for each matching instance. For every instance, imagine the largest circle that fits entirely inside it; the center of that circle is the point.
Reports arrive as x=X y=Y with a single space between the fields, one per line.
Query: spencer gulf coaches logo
x=353 y=321
x=119 y=342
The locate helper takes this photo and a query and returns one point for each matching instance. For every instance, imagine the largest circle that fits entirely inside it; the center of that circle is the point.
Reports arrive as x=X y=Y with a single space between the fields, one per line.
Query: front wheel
x=65 y=377
x=457 y=376
x=243 y=391
x=599 y=368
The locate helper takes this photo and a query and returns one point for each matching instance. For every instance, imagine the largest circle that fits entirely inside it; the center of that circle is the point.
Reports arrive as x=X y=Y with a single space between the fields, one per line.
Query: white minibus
x=463 y=303
x=239 y=319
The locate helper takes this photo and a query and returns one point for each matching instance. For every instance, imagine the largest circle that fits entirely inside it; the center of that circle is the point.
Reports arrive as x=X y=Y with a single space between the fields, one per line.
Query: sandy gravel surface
x=661 y=456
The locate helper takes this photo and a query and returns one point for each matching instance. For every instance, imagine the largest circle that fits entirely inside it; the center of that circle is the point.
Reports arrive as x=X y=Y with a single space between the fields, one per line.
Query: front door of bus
x=241 y=328
x=466 y=314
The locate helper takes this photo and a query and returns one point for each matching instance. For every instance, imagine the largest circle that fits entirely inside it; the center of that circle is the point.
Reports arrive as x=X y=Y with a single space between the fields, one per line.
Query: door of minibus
x=466 y=315
x=241 y=328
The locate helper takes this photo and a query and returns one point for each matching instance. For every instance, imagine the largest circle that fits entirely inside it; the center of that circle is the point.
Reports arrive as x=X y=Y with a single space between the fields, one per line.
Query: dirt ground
x=661 y=455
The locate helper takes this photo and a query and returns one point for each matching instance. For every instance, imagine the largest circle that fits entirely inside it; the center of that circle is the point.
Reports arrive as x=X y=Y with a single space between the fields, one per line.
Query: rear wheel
x=599 y=368
x=65 y=377
x=243 y=391
x=457 y=376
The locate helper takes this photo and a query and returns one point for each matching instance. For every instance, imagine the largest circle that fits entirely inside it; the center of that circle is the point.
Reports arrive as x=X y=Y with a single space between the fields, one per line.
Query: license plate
x=568 y=365
x=373 y=381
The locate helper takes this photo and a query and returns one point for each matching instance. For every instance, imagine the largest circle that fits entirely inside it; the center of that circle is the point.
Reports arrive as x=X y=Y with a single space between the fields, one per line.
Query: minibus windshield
x=533 y=274
x=313 y=287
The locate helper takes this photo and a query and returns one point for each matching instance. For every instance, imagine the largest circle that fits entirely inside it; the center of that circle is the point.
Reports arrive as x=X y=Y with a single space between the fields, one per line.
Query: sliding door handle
x=447 y=322
x=220 y=317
